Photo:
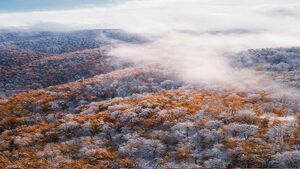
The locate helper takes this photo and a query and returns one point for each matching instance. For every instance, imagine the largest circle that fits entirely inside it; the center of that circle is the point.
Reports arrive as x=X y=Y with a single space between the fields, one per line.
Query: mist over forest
x=150 y=84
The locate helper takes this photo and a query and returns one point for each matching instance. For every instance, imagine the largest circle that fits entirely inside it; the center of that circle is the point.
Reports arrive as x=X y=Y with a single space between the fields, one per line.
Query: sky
x=42 y=5
x=195 y=15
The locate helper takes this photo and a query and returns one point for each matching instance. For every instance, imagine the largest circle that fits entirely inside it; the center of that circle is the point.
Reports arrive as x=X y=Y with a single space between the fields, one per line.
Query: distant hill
x=32 y=60
x=60 y=42
x=58 y=69
x=281 y=64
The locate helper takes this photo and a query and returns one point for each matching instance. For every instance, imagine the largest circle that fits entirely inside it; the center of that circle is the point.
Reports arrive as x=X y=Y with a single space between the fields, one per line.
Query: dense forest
x=67 y=103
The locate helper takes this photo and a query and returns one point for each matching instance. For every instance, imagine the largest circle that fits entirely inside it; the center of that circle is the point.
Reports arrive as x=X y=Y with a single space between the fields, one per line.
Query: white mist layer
x=202 y=58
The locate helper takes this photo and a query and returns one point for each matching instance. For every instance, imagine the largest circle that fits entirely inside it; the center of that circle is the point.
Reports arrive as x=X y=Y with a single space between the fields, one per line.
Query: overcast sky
x=153 y=14
x=42 y=5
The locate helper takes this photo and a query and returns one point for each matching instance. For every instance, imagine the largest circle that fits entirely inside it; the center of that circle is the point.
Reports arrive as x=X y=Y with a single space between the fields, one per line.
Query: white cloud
x=148 y=15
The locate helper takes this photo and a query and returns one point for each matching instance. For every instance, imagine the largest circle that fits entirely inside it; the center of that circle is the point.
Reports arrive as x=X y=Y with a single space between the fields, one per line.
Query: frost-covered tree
x=69 y=126
x=184 y=129
x=288 y=159
x=246 y=116
x=241 y=130
x=214 y=164
x=143 y=148
x=206 y=138
x=279 y=133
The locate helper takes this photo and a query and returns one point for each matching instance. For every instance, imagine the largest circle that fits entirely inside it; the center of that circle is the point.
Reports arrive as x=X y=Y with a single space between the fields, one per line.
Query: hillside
x=67 y=103
x=33 y=60
x=168 y=129
x=282 y=64
x=12 y=56
x=50 y=43
x=58 y=69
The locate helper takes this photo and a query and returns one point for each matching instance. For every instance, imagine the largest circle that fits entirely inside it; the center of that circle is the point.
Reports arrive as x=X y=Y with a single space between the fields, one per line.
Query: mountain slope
x=281 y=64
x=71 y=105
x=58 y=69
x=168 y=129
x=67 y=97
x=50 y=43
x=13 y=56
x=32 y=60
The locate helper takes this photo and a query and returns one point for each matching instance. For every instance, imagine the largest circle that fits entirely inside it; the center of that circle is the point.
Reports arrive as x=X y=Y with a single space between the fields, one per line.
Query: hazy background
x=154 y=15
x=42 y=5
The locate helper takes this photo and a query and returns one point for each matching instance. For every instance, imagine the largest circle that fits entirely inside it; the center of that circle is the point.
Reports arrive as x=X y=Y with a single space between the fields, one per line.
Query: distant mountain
x=32 y=60
x=60 y=42
x=281 y=64
x=58 y=69
x=12 y=56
